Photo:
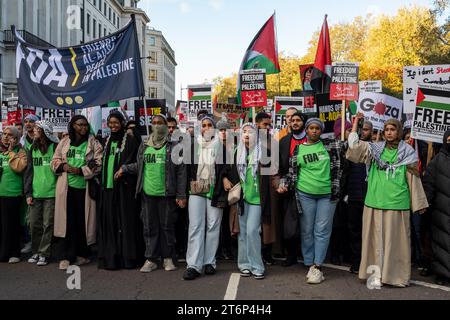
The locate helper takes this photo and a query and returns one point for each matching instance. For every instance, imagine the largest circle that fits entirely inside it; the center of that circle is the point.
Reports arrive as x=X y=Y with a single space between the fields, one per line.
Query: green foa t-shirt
x=76 y=157
x=155 y=172
x=110 y=165
x=11 y=183
x=314 y=169
x=388 y=192
x=251 y=186
x=44 y=180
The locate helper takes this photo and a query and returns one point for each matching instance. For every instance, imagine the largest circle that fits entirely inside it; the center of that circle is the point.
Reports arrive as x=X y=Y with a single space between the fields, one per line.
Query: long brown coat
x=93 y=152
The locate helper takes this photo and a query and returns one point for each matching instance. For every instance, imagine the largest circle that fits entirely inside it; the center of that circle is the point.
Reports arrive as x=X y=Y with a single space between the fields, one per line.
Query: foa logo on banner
x=53 y=62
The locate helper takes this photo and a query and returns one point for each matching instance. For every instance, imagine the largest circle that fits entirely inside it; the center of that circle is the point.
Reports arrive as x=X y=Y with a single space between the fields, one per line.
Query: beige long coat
x=386 y=245
x=93 y=152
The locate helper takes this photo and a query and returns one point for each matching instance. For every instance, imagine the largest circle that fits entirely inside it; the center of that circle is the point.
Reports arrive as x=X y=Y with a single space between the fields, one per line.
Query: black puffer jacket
x=437 y=188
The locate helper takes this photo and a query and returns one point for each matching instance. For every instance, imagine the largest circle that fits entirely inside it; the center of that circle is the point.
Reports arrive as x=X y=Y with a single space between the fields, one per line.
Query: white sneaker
x=310 y=272
x=168 y=265
x=316 y=276
x=14 y=260
x=26 y=249
x=376 y=283
x=148 y=267
x=42 y=261
x=64 y=264
x=34 y=258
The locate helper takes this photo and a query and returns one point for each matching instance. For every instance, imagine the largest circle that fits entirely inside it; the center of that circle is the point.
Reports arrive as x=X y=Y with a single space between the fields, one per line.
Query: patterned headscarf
x=47 y=127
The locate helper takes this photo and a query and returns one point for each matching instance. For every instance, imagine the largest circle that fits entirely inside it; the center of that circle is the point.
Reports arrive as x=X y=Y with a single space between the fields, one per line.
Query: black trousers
x=355 y=219
x=9 y=228
x=74 y=244
x=159 y=215
x=182 y=231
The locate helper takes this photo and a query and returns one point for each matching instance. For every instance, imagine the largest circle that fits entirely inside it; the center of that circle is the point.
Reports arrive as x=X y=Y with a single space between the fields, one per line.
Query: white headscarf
x=242 y=162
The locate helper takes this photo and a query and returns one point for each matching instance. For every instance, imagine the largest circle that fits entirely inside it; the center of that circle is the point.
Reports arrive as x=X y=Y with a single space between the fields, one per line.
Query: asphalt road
x=29 y=282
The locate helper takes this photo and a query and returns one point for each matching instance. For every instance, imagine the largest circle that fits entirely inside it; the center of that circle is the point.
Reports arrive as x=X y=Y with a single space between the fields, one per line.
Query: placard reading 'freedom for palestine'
x=344 y=81
x=253 y=88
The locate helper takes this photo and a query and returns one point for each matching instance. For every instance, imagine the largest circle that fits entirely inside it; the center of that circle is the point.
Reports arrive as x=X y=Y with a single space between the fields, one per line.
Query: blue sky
x=210 y=36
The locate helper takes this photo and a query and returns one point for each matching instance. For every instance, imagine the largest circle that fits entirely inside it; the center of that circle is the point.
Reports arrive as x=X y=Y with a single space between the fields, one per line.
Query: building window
x=88 y=26
x=99 y=30
x=153 y=57
x=94 y=28
x=114 y=18
x=153 y=76
x=1 y=69
x=109 y=15
x=152 y=41
x=104 y=8
x=153 y=93
x=95 y=3
x=104 y=32
x=100 y=5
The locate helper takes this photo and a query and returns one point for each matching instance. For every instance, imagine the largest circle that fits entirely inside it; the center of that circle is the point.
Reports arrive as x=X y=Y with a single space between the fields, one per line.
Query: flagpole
x=343 y=120
x=276 y=48
x=324 y=45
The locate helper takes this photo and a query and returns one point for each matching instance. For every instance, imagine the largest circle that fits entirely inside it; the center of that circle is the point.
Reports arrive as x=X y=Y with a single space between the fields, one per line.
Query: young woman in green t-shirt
x=13 y=162
x=314 y=190
x=250 y=220
x=394 y=190
x=118 y=227
x=77 y=159
x=40 y=186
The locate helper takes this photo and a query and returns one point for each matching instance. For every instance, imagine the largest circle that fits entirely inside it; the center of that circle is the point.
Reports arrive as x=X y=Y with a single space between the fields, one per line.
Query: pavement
x=30 y=282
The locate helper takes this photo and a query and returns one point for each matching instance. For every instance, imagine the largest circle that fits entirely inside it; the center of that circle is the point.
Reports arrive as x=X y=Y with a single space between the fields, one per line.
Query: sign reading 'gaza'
x=92 y=74
x=378 y=108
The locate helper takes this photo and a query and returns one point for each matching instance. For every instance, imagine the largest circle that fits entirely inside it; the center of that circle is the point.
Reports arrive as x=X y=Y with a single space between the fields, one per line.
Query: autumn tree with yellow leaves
x=382 y=45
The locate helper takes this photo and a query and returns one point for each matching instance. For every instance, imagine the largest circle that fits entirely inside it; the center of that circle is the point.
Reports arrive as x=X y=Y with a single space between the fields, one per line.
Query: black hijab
x=446 y=145
x=118 y=136
x=72 y=135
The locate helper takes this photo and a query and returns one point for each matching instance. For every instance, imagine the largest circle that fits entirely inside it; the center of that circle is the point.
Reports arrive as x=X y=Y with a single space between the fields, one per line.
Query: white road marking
x=430 y=285
x=232 y=288
x=417 y=283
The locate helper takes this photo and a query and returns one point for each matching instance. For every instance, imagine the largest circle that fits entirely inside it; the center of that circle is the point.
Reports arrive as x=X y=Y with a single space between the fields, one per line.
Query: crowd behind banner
x=191 y=199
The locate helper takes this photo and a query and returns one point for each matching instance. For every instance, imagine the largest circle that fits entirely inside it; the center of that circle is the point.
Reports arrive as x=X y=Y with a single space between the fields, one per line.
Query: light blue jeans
x=316 y=224
x=249 y=250
x=204 y=233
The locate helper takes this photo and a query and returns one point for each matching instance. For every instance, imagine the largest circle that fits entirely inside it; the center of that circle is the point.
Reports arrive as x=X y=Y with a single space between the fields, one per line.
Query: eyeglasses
x=83 y=125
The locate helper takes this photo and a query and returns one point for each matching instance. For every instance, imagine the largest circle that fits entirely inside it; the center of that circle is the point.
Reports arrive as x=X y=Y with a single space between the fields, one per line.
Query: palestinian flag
x=433 y=99
x=262 y=52
x=199 y=93
x=321 y=74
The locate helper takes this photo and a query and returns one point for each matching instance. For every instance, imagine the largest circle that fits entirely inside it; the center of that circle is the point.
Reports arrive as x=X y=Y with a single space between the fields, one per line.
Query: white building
x=161 y=65
x=45 y=22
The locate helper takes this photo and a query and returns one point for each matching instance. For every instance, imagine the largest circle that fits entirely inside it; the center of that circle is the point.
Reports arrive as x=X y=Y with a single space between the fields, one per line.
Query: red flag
x=321 y=75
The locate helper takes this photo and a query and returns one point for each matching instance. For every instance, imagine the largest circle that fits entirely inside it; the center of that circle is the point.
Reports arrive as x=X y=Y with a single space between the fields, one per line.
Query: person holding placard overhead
x=394 y=189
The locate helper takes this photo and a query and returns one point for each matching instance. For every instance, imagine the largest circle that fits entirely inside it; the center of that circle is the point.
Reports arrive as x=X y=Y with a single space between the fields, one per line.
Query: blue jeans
x=204 y=233
x=316 y=224
x=249 y=250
